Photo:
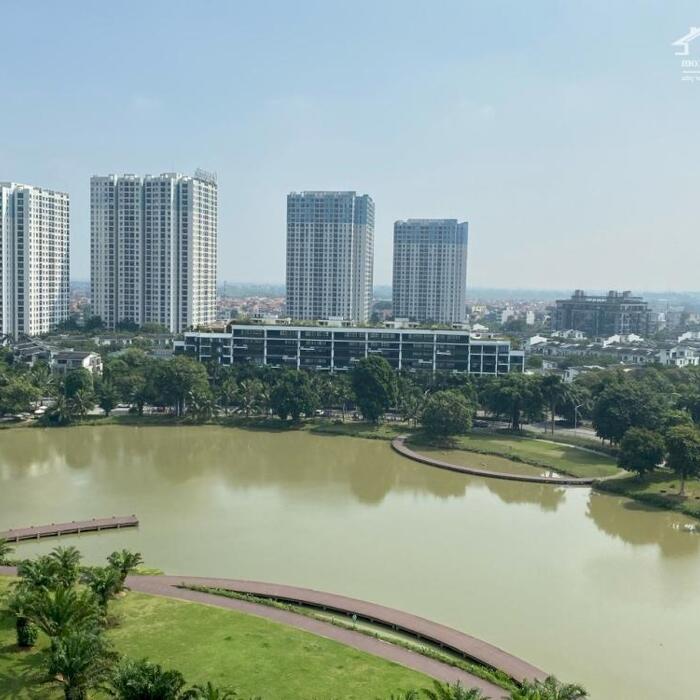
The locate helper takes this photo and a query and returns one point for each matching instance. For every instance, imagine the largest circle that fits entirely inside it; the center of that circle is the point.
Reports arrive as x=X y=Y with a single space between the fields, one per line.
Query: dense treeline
x=650 y=413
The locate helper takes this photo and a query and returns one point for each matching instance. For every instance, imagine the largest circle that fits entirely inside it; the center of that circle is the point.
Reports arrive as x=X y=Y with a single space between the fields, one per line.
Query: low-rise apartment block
x=338 y=349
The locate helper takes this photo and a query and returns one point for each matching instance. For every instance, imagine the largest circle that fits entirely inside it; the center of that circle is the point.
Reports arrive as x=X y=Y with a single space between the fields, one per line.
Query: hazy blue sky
x=560 y=130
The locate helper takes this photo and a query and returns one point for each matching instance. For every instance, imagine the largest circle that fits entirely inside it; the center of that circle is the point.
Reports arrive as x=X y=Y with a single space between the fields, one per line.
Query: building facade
x=327 y=349
x=34 y=259
x=330 y=255
x=154 y=249
x=430 y=270
x=618 y=313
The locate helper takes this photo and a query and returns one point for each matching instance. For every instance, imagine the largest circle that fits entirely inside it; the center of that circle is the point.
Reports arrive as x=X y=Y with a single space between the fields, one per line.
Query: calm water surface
x=587 y=586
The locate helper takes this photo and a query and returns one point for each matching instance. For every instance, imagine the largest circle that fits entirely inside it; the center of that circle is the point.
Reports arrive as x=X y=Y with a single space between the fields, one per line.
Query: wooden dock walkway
x=75 y=527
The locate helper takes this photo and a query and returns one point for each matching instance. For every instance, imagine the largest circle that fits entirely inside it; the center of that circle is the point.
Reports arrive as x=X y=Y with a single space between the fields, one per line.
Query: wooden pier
x=75 y=527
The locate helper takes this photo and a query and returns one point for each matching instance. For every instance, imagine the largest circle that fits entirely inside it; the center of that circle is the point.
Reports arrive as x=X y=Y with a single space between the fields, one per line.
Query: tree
x=177 y=380
x=18 y=605
x=18 y=395
x=125 y=562
x=227 y=392
x=248 y=395
x=409 y=398
x=548 y=689
x=104 y=582
x=641 y=450
x=93 y=323
x=446 y=413
x=75 y=381
x=448 y=691
x=513 y=396
x=63 y=610
x=81 y=403
x=43 y=379
x=625 y=404
x=107 y=397
x=60 y=413
x=374 y=384
x=78 y=661
x=6 y=549
x=683 y=445
x=37 y=573
x=66 y=565
x=211 y=692
x=293 y=395
x=200 y=406
x=142 y=680
x=555 y=393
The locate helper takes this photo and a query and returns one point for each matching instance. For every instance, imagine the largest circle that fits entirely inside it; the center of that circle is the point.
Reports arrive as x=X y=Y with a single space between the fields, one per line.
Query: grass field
x=249 y=654
x=562 y=458
x=658 y=489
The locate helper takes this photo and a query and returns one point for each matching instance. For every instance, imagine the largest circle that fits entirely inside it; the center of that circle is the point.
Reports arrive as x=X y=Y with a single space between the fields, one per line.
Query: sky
x=561 y=131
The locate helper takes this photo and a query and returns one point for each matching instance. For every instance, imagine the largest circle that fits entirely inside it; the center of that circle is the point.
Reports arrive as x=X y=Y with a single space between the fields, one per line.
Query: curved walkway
x=420 y=628
x=417 y=627
x=399 y=444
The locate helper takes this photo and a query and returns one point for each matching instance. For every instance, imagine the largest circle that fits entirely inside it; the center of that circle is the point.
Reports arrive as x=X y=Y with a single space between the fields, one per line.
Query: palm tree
x=61 y=412
x=5 y=550
x=62 y=610
x=556 y=393
x=66 y=563
x=142 y=680
x=447 y=691
x=43 y=380
x=18 y=605
x=211 y=692
x=37 y=573
x=248 y=395
x=227 y=393
x=81 y=403
x=548 y=689
x=125 y=562
x=78 y=661
x=104 y=582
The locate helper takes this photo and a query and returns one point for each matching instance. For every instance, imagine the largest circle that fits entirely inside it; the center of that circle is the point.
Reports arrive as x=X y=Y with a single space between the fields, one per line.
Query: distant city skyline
x=563 y=133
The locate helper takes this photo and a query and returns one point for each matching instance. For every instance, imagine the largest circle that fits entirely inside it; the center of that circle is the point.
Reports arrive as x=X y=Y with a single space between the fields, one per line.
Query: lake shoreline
x=628 y=486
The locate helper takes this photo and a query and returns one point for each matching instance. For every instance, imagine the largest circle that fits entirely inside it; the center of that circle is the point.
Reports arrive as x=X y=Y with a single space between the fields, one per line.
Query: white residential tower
x=154 y=249
x=330 y=255
x=34 y=259
x=430 y=270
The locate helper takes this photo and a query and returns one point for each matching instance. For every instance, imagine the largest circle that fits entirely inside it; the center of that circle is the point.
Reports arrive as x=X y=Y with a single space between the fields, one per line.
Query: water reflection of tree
x=637 y=524
x=548 y=497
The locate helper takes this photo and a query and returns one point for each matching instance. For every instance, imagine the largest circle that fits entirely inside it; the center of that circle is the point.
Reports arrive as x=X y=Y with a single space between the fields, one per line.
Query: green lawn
x=569 y=460
x=659 y=489
x=252 y=655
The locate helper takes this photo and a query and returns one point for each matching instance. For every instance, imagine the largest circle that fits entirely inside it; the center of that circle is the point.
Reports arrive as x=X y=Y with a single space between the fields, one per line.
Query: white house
x=66 y=360
x=679 y=356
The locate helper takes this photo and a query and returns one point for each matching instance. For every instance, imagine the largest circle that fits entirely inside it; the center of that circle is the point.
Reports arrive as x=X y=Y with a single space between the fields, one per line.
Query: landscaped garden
x=230 y=649
x=536 y=452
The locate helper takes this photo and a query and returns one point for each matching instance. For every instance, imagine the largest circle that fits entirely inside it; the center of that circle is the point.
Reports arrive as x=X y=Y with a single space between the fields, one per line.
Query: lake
x=594 y=588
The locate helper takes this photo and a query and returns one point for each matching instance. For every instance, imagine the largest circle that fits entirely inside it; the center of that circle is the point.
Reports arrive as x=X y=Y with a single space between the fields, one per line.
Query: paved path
x=399 y=444
x=441 y=635
x=75 y=527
